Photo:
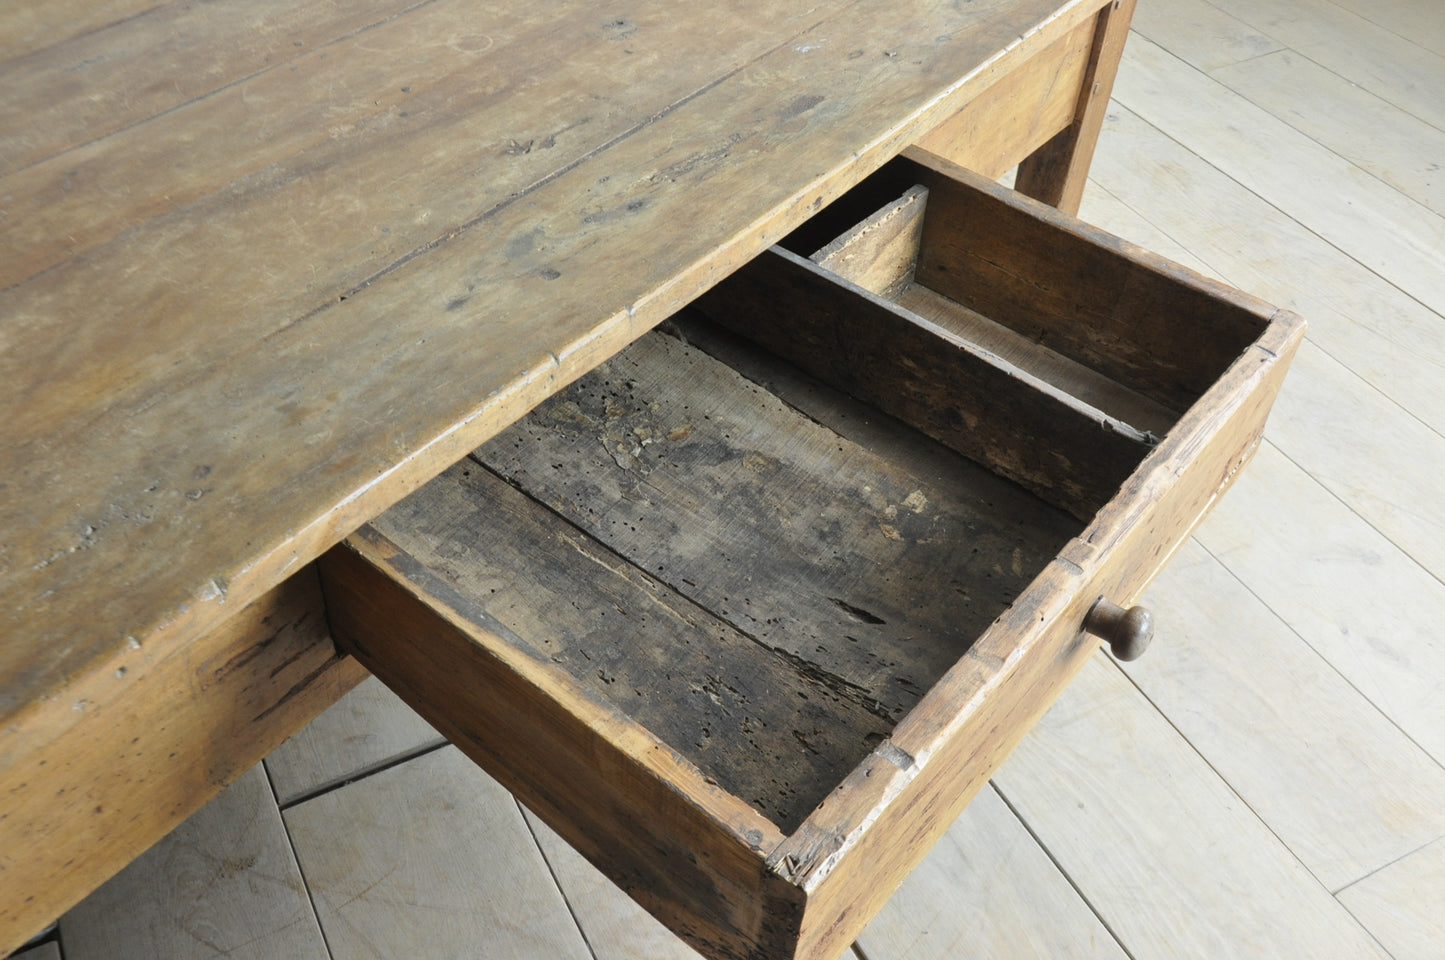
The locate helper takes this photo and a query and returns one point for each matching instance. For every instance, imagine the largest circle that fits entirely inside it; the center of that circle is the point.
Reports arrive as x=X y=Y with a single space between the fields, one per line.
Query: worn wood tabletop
x=268 y=268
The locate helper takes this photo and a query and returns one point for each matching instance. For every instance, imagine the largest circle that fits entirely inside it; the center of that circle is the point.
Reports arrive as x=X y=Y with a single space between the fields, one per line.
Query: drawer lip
x=806 y=892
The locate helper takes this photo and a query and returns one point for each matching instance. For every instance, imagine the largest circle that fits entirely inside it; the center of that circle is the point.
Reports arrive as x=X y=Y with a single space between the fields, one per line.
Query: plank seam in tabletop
x=65 y=147
x=84 y=31
x=908 y=96
x=556 y=174
x=454 y=231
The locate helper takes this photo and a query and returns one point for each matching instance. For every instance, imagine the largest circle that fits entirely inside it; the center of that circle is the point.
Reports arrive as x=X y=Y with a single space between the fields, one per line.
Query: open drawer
x=751 y=611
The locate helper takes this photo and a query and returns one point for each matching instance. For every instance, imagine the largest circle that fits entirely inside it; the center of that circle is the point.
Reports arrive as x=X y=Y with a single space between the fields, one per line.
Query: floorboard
x=1353 y=596
x=430 y=859
x=1386 y=231
x=1344 y=789
x=1382 y=62
x=1390 y=339
x=988 y=890
x=1168 y=855
x=368 y=728
x=1353 y=123
x=1390 y=902
x=224 y=883
x=1421 y=23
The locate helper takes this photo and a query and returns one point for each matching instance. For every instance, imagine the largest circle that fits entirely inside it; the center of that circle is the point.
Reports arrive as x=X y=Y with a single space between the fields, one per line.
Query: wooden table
x=269 y=267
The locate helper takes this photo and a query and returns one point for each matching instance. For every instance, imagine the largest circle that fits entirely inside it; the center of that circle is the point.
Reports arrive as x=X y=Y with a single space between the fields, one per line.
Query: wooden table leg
x=1056 y=172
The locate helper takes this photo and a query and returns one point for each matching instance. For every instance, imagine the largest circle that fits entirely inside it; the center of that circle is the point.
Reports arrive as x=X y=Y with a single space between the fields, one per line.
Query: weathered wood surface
x=1144 y=322
x=684 y=848
x=880 y=251
x=241 y=346
x=1030 y=105
x=880 y=254
x=1396 y=903
x=987 y=890
x=808 y=543
x=223 y=884
x=222 y=287
x=1071 y=455
x=1242 y=688
x=1106 y=395
x=851 y=855
x=616 y=928
x=1197 y=874
x=1056 y=173
x=751 y=718
x=853 y=850
x=79 y=803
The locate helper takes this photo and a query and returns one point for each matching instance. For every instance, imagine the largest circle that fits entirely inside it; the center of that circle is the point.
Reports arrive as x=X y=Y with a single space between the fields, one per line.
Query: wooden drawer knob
x=1127 y=632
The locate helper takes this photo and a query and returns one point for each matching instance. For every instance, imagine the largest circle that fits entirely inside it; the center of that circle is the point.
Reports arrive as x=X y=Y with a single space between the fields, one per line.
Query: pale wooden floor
x=1267 y=783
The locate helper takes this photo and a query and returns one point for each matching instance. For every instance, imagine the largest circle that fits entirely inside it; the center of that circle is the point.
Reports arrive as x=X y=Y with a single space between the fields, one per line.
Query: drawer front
x=749 y=613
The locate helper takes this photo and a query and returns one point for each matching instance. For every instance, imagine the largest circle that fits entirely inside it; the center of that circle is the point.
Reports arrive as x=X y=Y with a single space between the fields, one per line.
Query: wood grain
x=602 y=781
x=1360 y=602
x=224 y=883
x=1388 y=64
x=880 y=252
x=309 y=450
x=94 y=84
x=1057 y=171
x=1393 y=235
x=366 y=729
x=1392 y=340
x=865 y=573
x=849 y=856
x=1070 y=455
x=26 y=28
x=775 y=729
x=483 y=886
x=81 y=801
x=1201 y=34
x=1116 y=308
x=1026 y=107
x=1357 y=125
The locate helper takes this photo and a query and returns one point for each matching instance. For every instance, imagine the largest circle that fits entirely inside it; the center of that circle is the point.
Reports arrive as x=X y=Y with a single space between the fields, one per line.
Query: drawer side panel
x=852 y=854
x=682 y=848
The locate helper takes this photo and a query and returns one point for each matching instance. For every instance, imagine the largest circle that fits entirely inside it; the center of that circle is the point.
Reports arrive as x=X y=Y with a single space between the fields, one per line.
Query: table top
x=267 y=267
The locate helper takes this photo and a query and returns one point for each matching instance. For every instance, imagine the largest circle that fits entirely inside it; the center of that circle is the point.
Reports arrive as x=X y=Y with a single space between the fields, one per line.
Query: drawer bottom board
x=767 y=594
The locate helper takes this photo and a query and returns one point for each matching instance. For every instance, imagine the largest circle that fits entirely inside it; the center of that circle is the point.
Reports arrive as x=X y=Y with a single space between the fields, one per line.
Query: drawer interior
x=1116 y=330
x=765 y=531
x=761 y=571
x=748 y=612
